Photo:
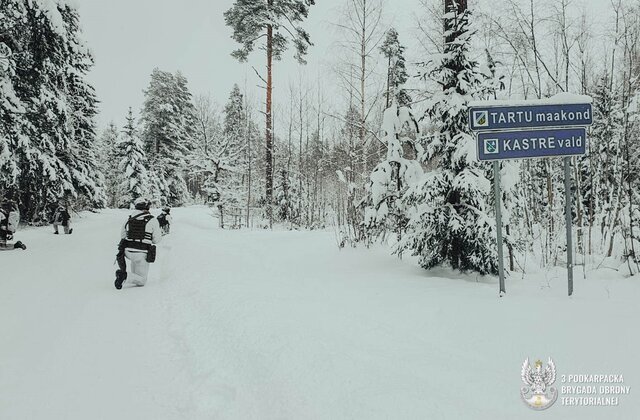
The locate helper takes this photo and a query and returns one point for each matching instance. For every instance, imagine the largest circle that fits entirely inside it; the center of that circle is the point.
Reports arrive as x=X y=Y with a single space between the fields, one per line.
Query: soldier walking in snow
x=9 y=220
x=164 y=219
x=62 y=217
x=139 y=235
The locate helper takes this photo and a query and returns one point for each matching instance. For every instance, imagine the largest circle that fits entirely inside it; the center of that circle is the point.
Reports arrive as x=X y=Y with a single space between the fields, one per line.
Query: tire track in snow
x=209 y=394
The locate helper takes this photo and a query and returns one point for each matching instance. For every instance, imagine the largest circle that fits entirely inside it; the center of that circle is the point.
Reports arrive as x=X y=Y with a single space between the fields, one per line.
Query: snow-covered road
x=284 y=325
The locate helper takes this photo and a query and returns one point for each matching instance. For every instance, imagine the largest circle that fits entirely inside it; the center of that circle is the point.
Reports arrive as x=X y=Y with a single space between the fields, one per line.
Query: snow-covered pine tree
x=397 y=74
x=11 y=107
x=228 y=155
x=108 y=146
x=230 y=152
x=278 y=21
x=290 y=190
x=175 y=168
x=82 y=105
x=391 y=178
x=51 y=141
x=184 y=101
x=167 y=118
x=285 y=202
x=451 y=221
x=132 y=166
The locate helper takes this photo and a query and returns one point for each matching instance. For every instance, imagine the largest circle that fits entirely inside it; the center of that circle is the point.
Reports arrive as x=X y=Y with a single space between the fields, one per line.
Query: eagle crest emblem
x=538 y=392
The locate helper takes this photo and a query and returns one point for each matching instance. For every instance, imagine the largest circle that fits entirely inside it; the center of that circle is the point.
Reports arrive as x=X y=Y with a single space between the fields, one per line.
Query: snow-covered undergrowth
x=244 y=324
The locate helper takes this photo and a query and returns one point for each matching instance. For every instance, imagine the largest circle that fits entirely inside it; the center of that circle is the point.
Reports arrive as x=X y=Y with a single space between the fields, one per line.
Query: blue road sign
x=531 y=143
x=486 y=118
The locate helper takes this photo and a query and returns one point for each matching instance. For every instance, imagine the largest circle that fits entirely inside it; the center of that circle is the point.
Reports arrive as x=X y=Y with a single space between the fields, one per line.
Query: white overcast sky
x=131 y=37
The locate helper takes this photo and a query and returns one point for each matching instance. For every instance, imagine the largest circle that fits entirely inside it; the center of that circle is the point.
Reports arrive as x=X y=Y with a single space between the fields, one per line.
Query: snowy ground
x=283 y=325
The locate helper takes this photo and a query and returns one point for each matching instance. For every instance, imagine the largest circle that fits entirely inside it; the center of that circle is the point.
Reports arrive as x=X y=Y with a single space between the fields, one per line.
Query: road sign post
x=498 y=200
x=569 y=219
x=537 y=129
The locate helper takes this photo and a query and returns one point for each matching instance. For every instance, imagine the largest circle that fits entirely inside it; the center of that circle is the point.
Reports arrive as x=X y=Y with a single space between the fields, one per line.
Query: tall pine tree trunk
x=300 y=169
x=248 y=141
x=269 y=133
x=363 y=79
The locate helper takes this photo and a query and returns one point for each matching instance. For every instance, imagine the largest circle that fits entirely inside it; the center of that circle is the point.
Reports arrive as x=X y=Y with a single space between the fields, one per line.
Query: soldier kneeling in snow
x=139 y=236
x=9 y=220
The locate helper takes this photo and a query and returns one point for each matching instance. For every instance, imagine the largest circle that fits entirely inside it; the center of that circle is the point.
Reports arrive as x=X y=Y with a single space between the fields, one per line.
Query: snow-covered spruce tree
x=397 y=74
x=176 y=173
x=290 y=187
x=11 y=108
x=450 y=221
x=132 y=166
x=278 y=22
x=51 y=141
x=284 y=205
x=184 y=101
x=168 y=123
x=390 y=179
x=111 y=153
x=230 y=151
x=81 y=158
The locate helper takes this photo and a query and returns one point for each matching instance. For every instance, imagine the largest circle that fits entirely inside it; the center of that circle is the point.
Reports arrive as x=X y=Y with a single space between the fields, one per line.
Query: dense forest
x=388 y=158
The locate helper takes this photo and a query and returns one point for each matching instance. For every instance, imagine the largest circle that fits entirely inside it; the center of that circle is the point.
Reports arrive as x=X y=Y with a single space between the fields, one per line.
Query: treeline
x=197 y=151
x=377 y=146
x=47 y=109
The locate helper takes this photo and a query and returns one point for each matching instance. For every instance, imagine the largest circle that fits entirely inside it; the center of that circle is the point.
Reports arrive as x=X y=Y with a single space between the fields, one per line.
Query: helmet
x=142 y=203
x=166 y=210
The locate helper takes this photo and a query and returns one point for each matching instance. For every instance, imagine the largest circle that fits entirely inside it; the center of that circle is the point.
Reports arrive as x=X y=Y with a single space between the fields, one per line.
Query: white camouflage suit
x=138 y=258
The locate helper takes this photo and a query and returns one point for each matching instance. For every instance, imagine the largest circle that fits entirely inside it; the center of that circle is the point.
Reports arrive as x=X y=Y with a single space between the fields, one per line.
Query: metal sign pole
x=496 y=190
x=567 y=211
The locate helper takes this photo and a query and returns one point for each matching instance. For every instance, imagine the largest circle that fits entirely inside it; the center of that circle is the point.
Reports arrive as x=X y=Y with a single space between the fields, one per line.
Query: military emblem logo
x=480 y=118
x=538 y=393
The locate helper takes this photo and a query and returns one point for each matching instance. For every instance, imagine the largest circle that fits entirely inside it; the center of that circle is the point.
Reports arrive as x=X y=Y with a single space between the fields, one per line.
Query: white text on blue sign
x=540 y=116
x=531 y=144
